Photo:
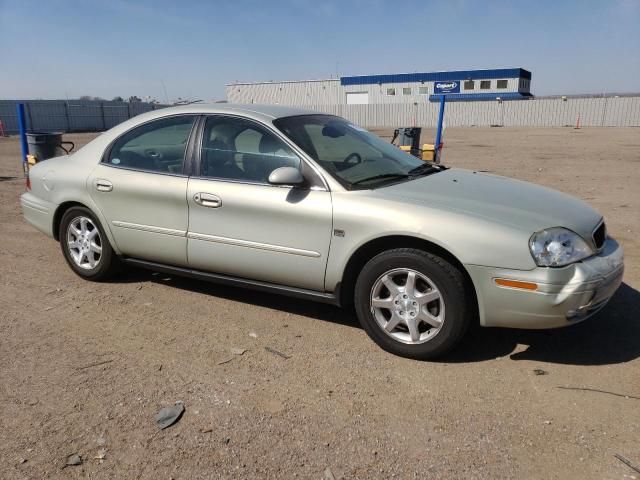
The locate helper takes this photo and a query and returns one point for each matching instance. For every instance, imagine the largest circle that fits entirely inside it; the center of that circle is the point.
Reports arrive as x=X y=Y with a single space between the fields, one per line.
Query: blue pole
x=22 y=126
x=443 y=99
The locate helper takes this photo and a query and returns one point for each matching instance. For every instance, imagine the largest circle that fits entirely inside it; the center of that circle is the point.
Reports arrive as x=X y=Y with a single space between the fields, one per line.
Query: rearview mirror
x=286 y=176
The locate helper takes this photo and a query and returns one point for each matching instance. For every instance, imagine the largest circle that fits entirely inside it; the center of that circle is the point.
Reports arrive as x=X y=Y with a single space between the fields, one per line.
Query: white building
x=464 y=85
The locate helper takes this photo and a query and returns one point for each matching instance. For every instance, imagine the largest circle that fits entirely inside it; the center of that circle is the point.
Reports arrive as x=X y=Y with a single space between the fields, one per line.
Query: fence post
x=438 y=145
x=30 y=125
x=22 y=127
x=66 y=114
x=104 y=121
x=604 y=111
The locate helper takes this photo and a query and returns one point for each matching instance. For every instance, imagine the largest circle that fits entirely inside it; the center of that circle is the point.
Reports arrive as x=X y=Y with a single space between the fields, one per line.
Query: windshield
x=351 y=154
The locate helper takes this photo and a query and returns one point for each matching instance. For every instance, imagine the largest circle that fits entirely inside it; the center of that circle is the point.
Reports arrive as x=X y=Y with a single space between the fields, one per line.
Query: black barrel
x=44 y=145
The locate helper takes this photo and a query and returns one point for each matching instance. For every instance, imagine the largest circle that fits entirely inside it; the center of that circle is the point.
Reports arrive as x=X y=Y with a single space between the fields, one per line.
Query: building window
x=423 y=90
x=406 y=91
x=391 y=91
x=469 y=85
x=485 y=84
x=501 y=84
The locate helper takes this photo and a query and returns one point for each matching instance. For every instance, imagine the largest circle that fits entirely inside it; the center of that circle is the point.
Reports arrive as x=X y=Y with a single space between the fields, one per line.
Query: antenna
x=166 y=97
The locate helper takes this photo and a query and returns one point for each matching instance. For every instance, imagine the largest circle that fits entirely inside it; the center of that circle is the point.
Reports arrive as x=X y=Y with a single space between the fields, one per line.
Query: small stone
x=539 y=371
x=167 y=416
x=547 y=422
x=253 y=334
x=74 y=459
x=238 y=351
x=328 y=474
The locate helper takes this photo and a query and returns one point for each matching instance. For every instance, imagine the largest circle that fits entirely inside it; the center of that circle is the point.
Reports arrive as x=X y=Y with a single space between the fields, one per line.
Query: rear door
x=241 y=225
x=141 y=189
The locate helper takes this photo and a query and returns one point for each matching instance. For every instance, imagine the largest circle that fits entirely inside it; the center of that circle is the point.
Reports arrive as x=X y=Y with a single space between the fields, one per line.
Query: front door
x=241 y=225
x=141 y=189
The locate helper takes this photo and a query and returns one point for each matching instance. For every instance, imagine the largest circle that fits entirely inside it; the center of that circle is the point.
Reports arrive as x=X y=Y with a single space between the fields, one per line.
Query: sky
x=192 y=49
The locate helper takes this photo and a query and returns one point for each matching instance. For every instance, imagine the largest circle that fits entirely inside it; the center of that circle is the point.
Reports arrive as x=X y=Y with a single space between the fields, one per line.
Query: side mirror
x=286 y=176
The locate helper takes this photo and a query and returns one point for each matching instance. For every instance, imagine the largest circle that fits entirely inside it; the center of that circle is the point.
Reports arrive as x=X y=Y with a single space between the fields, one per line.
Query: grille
x=599 y=235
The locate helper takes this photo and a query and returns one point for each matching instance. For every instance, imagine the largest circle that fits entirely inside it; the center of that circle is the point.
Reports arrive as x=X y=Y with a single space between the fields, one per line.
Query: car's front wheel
x=412 y=303
x=85 y=245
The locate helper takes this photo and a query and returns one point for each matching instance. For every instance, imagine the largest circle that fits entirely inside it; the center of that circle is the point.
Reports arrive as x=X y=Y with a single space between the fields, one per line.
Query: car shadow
x=609 y=337
x=296 y=306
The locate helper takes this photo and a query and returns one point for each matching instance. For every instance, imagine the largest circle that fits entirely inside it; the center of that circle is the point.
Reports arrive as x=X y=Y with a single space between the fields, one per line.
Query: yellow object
x=503 y=282
x=428 y=152
x=405 y=148
x=31 y=161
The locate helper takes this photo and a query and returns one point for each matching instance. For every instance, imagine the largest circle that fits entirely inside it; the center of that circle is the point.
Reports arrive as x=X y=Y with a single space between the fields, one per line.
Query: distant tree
x=118 y=99
x=89 y=97
x=134 y=99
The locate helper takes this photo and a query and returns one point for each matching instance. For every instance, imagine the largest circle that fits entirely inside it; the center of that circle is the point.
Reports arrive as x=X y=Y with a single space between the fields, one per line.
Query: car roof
x=270 y=112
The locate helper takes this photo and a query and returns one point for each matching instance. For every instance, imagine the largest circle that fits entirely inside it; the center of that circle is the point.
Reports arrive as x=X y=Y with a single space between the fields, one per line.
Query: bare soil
x=85 y=366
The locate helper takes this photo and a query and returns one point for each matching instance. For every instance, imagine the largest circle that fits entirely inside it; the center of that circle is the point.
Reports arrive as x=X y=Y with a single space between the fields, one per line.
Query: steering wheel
x=353 y=156
x=153 y=154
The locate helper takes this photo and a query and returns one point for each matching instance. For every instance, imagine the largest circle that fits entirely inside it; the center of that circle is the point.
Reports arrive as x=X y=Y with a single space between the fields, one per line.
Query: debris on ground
x=253 y=334
x=597 y=390
x=94 y=364
x=539 y=371
x=206 y=430
x=276 y=352
x=101 y=455
x=226 y=360
x=73 y=460
x=328 y=474
x=627 y=462
x=238 y=351
x=167 y=416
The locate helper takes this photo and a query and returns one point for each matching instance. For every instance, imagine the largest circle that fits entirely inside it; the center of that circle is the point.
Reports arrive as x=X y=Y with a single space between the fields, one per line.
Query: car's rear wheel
x=412 y=303
x=85 y=245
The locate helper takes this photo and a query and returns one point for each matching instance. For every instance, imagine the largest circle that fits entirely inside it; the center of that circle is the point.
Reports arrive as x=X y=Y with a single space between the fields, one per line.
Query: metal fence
x=82 y=116
x=71 y=115
x=590 y=112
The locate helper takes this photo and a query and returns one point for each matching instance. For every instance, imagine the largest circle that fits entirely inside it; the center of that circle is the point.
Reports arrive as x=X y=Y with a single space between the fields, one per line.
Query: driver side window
x=239 y=149
x=157 y=146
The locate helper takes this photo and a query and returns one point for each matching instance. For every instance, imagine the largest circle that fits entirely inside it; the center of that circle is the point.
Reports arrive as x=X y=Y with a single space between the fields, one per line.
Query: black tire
x=453 y=289
x=107 y=262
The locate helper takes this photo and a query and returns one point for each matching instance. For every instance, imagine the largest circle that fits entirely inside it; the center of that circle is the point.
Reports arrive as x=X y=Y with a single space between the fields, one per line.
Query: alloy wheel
x=84 y=243
x=407 y=305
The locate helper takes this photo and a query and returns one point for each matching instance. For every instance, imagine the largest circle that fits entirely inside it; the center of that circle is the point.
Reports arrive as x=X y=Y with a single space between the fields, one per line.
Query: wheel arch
x=373 y=247
x=60 y=211
x=66 y=205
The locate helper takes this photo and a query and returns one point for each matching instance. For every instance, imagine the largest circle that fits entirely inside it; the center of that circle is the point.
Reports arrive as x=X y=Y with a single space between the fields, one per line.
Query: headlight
x=556 y=247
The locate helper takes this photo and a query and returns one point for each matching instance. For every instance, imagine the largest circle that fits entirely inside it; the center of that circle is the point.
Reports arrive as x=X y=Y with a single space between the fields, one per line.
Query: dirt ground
x=85 y=366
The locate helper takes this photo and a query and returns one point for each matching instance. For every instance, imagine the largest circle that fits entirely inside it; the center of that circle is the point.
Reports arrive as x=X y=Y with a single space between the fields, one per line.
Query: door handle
x=103 y=185
x=207 y=200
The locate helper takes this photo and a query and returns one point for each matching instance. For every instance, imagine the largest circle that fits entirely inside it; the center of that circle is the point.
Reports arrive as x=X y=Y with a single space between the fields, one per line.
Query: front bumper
x=564 y=295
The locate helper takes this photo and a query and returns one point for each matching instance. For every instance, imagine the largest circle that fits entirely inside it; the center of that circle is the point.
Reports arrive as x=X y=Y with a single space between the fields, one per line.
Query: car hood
x=504 y=200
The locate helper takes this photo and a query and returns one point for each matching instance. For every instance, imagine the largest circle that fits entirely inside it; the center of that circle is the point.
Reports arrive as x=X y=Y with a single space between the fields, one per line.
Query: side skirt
x=314 y=295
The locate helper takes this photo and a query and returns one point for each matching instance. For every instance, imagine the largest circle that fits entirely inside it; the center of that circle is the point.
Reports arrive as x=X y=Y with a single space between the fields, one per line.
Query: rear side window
x=157 y=146
x=238 y=149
